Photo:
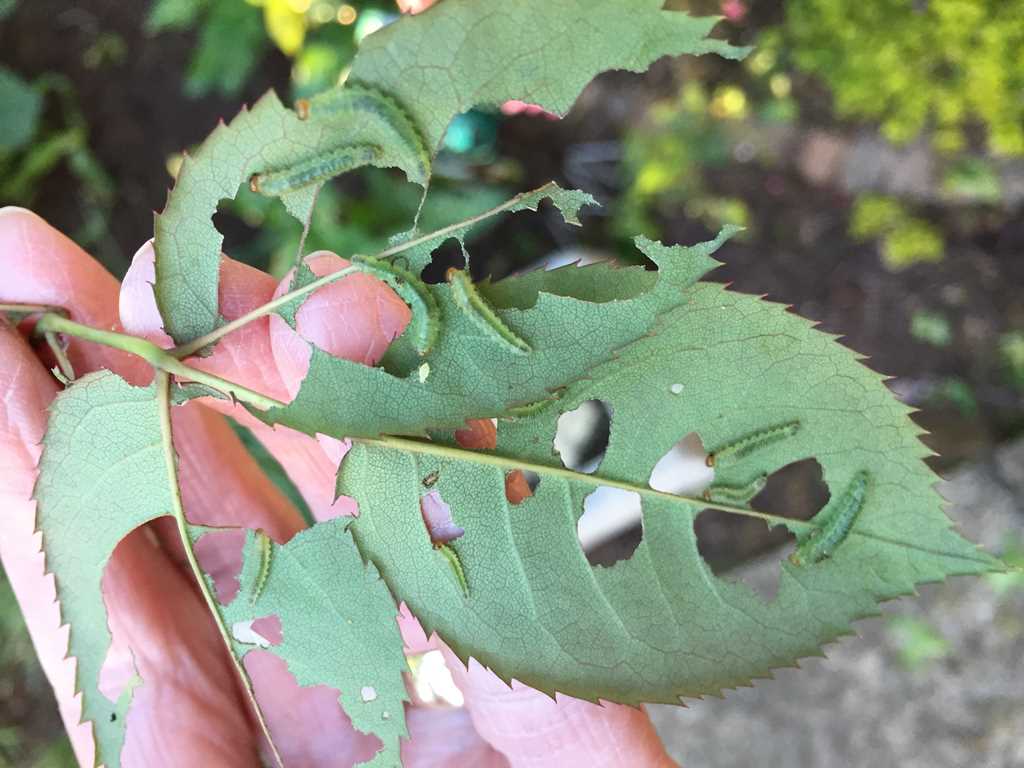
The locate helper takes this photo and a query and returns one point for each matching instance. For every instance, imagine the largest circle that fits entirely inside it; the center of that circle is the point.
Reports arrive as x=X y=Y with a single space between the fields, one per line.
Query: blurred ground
x=933 y=683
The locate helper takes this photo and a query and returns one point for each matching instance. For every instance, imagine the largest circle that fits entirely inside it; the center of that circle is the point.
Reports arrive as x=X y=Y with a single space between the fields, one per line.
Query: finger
x=531 y=729
x=222 y=485
x=41 y=266
x=218 y=479
x=308 y=725
x=27 y=390
x=141 y=620
x=244 y=356
x=355 y=317
x=440 y=736
x=188 y=711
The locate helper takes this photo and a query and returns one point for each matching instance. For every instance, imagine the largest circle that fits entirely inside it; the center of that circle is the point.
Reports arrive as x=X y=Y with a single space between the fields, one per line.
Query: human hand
x=189 y=710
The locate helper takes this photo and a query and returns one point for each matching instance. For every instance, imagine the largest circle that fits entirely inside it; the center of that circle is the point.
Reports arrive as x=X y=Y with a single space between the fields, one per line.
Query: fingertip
x=307 y=723
x=538 y=730
x=137 y=302
x=11 y=211
x=40 y=265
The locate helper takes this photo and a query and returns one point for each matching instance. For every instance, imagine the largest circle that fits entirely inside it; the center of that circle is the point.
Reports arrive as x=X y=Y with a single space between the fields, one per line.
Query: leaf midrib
x=492 y=459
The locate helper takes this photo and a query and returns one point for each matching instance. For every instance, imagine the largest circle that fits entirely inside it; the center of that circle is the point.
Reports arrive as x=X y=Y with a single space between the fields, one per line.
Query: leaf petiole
x=163 y=388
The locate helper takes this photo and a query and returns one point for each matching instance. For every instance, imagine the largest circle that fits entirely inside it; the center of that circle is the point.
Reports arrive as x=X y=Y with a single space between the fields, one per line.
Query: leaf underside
x=101 y=475
x=660 y=625
x=326 y=598
x=435 y=66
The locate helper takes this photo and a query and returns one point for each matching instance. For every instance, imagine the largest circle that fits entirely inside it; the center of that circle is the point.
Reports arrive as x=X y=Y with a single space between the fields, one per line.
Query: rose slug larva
x=728 y=494
x=357 y=100
x=455 y=563
x=426 y=313
x=834 y=524
x=266 y=548
x=477 y=309
x=314 y=170
x=747 y=444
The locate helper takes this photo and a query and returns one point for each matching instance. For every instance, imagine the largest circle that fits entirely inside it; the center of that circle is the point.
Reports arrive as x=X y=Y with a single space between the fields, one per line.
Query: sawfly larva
x=266 y=547
x=426 y=313
x=354 y=100
x=314 y=170
x=834 y=524
x=449 y=553
x=480 y=312
x=747 y=444
x=530 y=409
x=729 y=494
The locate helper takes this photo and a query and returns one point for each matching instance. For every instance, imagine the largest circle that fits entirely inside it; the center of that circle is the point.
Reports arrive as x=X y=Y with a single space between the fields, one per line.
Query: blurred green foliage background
x=874 y=151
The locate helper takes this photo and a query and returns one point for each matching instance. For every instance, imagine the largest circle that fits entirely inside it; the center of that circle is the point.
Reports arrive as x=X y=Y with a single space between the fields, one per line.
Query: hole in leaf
x=245 y=632
x=447 y=255
x=611 y=526
x=519 y=485
x=257 y=230
x=796 y=491
x=220 y=555
x=725 y=545
x=332 y=728
x=729 y=543
x=581 y=437
x=437 y=516
x=432 y=681
x=683 y=470
x=478 y=434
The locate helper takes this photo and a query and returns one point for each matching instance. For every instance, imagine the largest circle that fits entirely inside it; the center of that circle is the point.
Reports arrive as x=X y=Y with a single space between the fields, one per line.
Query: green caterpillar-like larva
x=456 y=565
x=480 y=312
x=426 y=313
x=314 y=170
x=266 y=552
x=747 y=444
x=834 y=524
x=354 y=100
x=728 y=494
x=530 y=409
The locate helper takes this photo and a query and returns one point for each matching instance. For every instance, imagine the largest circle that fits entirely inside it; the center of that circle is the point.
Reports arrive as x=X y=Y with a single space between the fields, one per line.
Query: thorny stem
x=163 y=389
x=185 y=350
